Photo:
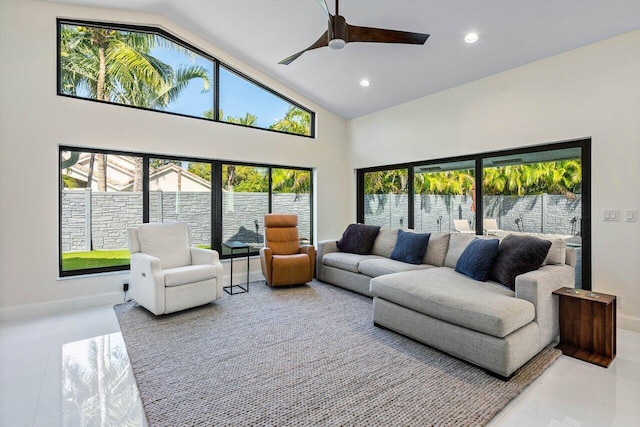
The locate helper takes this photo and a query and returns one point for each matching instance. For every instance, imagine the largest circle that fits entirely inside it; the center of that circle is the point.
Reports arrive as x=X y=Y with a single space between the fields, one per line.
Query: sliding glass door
x=444 y=197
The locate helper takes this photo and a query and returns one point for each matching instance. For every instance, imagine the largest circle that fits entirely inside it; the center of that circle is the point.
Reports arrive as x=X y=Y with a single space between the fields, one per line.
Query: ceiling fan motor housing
x=338 y=32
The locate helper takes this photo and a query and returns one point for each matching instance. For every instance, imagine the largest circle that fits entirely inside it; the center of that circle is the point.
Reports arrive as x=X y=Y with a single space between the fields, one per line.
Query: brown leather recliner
x=284 y=261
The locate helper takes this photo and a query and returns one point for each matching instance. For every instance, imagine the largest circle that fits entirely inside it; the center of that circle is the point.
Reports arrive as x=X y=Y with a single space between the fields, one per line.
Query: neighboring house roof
x=187 y=181
x=121 y=171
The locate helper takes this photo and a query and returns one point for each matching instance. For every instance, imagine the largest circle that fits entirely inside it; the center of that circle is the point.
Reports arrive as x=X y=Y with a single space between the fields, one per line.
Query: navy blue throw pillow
x=477 y=258
x=410 y=247
x=358 y=239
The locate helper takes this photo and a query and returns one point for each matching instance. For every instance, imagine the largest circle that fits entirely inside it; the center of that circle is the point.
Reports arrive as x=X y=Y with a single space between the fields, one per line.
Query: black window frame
x=584 y=144
x=216 y=197
x=216 y=74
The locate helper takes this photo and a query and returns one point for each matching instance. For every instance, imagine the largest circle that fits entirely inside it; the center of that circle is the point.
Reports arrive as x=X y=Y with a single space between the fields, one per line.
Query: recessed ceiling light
x=364 y=82
x=471 y=38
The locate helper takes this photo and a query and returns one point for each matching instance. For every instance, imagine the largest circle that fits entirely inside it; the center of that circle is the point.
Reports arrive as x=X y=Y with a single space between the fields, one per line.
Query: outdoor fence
x=93 y=220
x=99 y=220
x=551 y=214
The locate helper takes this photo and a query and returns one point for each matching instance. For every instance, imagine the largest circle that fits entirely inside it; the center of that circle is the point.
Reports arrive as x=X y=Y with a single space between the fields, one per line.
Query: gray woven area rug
x=302 y=356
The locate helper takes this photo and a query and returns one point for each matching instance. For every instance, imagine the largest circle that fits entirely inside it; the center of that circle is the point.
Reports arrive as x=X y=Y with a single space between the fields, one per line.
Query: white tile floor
x=73 y=370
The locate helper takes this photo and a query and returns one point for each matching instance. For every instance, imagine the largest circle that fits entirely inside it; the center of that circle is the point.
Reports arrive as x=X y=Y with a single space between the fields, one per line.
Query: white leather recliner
x=169 y=275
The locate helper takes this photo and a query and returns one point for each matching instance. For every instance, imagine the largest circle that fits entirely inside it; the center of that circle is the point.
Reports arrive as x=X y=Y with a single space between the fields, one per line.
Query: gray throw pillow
x=385 y=242
x=518 y=255
x=358 y=239
x=437 y=249
x=457 y=244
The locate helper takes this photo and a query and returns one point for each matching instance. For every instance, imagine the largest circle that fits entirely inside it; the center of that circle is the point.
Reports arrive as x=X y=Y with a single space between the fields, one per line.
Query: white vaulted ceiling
x=511 y=33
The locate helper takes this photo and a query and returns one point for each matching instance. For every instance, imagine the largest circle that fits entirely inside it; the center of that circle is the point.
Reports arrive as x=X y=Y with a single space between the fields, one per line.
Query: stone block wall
x=108 y=215
x=551 y=214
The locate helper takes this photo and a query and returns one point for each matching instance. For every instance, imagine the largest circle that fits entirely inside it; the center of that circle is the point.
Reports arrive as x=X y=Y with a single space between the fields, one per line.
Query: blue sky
x=237 y=95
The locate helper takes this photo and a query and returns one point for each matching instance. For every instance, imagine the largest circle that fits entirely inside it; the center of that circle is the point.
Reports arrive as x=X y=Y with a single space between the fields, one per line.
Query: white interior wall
x=589 y=92
x=592 y=92
x=34 y=121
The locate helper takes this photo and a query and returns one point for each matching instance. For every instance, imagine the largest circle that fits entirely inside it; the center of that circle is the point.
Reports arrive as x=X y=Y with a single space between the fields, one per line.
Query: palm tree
x=295 y=121
x=290 y=180
x=378 y=185
x=248 y=120
x=117 y=66
x=101 y=384
x=561 y=177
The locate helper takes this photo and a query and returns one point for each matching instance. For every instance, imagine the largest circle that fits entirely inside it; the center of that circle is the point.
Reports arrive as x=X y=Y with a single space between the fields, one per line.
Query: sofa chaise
x=482 y=322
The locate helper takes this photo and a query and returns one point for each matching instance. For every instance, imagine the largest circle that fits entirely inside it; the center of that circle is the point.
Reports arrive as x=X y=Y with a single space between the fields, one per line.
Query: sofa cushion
x=358 y=238
x=557 y=252
x=385 y=242
x=518 y=255
x=457 y=244
x=410 y=247
x=188 y=274
x=378 y=267
x=169 y=242
x=437 y=249
x=345 y=260
x=477 y=258
x=443 y=293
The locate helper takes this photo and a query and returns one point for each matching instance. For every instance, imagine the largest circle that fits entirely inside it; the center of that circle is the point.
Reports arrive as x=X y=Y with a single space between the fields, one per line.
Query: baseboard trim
x=629 y=322
x=30 y=311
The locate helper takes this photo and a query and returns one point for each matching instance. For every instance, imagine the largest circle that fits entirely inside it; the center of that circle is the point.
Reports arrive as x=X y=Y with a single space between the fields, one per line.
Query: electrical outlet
x=125 y=287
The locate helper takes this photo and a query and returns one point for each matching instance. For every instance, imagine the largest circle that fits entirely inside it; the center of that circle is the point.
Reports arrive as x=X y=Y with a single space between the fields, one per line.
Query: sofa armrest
x=324 y=247
x=311 y=251
x=147 y=282
x=571 y=257
x=537 y=287
x=200 y=256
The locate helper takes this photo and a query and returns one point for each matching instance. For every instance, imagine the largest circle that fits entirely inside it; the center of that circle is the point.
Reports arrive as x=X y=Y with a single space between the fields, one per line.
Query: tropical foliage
x=386 y=182
x=445 y=183
x=294 y=121
x=100 y=384
x=117 y=66
x=290 y=181
x=561 y=177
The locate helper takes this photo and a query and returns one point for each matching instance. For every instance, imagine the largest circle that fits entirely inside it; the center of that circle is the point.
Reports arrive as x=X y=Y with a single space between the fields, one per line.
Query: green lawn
x=94 y=259
x=104 y=258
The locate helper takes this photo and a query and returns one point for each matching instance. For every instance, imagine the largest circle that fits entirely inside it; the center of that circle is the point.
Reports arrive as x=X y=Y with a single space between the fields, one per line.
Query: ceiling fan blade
x=321 y=42
x=379 y=35
x=323 y=5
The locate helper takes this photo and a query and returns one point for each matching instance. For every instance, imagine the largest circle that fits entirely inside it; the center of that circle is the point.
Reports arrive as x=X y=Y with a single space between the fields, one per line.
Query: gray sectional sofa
x=484 y=323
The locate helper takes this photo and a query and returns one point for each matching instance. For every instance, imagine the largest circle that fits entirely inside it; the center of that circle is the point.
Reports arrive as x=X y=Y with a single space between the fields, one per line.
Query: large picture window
x=100 y=197
x=145 y=67
x=542 y=190
x=246 y=103
x=104 y=193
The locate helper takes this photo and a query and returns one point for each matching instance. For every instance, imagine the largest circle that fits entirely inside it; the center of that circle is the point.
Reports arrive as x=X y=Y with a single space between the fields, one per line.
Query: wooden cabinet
x=587 y=325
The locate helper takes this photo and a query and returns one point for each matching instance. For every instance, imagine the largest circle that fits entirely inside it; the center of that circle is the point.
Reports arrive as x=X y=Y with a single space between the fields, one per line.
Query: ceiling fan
x=340 y=33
